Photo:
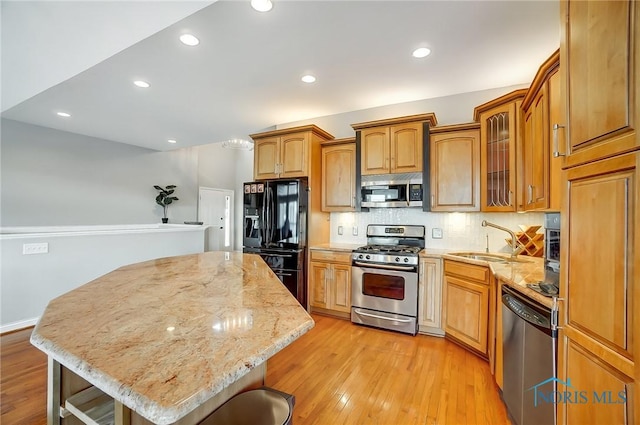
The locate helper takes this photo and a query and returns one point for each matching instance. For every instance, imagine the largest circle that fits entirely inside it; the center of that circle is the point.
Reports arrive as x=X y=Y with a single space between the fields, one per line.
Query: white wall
x=460 y=231
x=222 y=168
x=455 y=109
x=52 y=177
x=216 y=166
x=29 y=282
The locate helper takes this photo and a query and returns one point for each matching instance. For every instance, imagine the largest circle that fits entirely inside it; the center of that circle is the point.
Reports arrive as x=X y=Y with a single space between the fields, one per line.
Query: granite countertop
x=515 y=275
x=165 y=335
x=346 y=247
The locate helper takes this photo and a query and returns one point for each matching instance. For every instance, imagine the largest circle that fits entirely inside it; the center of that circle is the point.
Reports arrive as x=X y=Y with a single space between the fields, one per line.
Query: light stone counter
x=346 y=247
x=515 y=275
x=164 y=336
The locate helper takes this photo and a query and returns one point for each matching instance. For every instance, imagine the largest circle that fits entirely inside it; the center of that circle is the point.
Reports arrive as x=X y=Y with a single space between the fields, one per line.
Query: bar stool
x=264 y=406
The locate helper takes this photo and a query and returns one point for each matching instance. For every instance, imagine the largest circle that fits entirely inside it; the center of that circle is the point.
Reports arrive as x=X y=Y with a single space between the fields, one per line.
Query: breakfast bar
x=165 y=341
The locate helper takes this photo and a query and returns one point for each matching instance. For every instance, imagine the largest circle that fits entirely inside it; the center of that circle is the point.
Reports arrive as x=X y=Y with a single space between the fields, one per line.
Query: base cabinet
x=330 y=282
x=599 y=286
x=466 y=305
x=430 y=297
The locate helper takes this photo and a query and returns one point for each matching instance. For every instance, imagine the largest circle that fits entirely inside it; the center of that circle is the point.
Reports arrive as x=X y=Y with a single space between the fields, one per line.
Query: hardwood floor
x=340 y=373
x=23 y=396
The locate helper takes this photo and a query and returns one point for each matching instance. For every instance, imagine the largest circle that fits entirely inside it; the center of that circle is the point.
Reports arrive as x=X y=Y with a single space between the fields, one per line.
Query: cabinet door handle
x=556 y=150
x=555 y=308
x=353 y=202
x=530 y=190
x=433 y=200
x=510 y=193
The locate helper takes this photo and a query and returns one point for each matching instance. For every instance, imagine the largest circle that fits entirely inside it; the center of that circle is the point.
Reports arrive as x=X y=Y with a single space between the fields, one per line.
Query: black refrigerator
x=275 y=227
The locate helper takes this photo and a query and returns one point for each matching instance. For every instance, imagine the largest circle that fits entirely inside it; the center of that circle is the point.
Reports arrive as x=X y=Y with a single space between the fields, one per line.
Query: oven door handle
x=375 y=316
x=385 y=267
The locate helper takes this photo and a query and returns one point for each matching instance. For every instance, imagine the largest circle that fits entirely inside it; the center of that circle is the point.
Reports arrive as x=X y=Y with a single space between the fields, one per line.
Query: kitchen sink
x=492 y=258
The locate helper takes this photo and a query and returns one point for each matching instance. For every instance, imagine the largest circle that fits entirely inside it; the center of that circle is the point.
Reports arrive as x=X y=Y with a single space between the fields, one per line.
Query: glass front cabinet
x=499 y=133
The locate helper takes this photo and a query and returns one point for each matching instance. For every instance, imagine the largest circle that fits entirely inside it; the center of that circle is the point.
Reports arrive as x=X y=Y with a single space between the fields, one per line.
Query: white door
x=215 y=209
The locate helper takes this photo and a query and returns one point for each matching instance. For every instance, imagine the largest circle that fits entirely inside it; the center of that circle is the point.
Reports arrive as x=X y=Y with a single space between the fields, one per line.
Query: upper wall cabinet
x=393 y=145
x=339 y=175
x=455 y=167
x=499 y=133
x=599 y=36
x=539 y=115
x=286 y=153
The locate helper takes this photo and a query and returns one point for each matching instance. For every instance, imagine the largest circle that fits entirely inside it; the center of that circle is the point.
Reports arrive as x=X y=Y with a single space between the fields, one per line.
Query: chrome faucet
x=516 y=247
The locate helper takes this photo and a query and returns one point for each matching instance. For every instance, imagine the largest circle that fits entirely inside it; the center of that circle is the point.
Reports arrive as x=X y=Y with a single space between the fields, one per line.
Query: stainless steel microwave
x=391 y=191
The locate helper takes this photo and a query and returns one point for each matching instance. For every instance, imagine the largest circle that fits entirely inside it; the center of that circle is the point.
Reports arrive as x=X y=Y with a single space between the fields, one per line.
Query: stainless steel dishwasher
x=529 y=365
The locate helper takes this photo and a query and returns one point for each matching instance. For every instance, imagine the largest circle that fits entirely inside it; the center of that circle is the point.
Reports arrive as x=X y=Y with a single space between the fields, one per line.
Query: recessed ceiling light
x=172 y=141
x=142 y=84
x=63 y=114
x=262 y=5
x=189 y=40
x=309 y=79
x=421 y=52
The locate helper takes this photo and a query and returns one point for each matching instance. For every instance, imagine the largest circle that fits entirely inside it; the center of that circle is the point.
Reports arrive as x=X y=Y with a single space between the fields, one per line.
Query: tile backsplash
x=460 y=231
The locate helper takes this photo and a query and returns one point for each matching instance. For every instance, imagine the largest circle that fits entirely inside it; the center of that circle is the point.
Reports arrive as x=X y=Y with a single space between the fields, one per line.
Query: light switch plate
x=340 y=230
x=436 y=233
x=355 y=230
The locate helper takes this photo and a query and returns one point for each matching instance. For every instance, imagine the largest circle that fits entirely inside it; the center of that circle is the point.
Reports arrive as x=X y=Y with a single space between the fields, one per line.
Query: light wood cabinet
x=339 y=175
x=395 y=149
x=466 y=305
x=599 y=282
x=537 y=136
x=393 y=146
x=286 y=153
x=556 y=119
x=599 y=52
x=455 y=168
x=430 y=297
x=600 y=238
x=499 y=136
x=330 y=282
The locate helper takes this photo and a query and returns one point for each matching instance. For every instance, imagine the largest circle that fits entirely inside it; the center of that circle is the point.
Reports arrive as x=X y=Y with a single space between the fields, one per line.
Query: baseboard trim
x=16 y=326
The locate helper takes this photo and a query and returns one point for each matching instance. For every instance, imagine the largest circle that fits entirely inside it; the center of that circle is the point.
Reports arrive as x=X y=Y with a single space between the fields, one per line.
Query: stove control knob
x=397 y=259
x=406 y=260
x=360 y=256
x=368 y=257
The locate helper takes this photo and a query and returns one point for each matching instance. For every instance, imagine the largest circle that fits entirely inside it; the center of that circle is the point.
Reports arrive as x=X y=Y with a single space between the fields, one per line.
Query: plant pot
x=165 y=220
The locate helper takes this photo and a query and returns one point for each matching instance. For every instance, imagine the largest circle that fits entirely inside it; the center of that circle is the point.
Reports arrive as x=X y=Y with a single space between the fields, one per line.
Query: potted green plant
x=164 y=199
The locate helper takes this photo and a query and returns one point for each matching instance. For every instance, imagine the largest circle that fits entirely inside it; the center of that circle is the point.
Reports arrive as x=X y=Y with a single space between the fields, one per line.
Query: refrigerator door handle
x=264 y=218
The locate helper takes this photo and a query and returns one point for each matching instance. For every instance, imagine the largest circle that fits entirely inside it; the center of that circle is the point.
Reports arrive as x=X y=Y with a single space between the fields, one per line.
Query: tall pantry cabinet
x=599 y=338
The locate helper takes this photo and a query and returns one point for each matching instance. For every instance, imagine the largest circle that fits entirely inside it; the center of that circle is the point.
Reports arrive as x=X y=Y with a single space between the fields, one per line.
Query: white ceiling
x=245 y=74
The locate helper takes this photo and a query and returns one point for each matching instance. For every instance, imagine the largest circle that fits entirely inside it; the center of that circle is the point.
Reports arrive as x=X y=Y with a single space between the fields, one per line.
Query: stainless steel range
x=384 y=284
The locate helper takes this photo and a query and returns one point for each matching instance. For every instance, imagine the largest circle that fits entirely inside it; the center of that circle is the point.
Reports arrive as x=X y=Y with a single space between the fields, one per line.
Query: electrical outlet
x=340 y=231
x=35 y=248
x=436 y=233
x=355 y=230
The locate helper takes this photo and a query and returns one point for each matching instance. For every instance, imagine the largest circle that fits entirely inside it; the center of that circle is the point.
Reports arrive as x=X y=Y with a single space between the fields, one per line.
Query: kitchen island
x=165 y=341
